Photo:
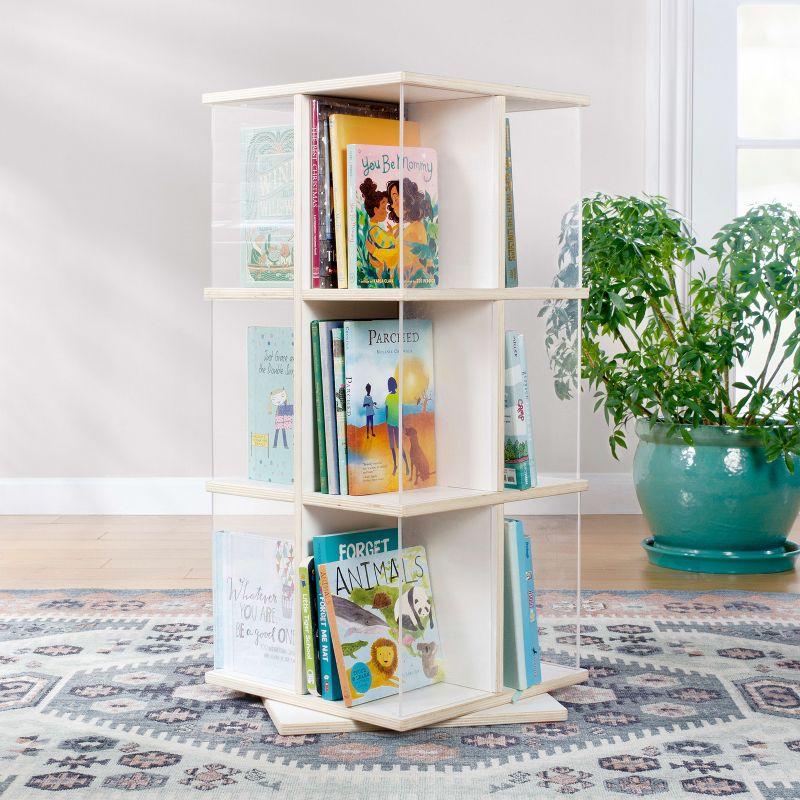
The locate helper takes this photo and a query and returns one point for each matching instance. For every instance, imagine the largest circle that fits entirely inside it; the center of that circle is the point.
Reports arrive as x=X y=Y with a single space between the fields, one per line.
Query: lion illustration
x=382 y=665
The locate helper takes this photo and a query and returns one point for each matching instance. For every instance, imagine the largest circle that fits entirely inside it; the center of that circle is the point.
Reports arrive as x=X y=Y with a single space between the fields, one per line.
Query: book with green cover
x=308 y=616
x=337 y=349
x=319 y=416
x=516 y=452
x=338 y=547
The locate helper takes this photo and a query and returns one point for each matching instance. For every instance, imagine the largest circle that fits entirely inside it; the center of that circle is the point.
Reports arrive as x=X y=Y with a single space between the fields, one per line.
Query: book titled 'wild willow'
x=389 y=224
x=383 y=623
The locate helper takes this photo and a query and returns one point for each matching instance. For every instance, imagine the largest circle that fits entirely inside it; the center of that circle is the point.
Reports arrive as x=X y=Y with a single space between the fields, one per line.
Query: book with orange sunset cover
x=376 y=399
x=348 y=129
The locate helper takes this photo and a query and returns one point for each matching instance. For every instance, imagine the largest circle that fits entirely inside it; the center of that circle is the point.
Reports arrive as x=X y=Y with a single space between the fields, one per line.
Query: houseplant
x=717 y=467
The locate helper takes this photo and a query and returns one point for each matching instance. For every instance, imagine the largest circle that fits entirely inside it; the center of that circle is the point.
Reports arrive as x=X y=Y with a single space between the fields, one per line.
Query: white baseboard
x=609 y=493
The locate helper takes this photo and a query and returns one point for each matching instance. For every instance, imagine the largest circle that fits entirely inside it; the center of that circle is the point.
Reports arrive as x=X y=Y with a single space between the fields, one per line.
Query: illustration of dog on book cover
x=375 y=399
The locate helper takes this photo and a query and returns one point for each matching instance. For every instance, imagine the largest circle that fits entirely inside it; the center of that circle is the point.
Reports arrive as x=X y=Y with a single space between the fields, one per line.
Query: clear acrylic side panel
x=552 y=349
x=253 y=191
x=543 y=176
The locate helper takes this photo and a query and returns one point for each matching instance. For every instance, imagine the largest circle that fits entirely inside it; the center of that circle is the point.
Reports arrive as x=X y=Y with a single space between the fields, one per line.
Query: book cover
x=329 y=403
x=267 y=205
x=348 y=129
x=321 y=459
x=337 y=348
x=383 y=624
x=512 y=276
x=339 y=547
x=526 y=391
x=516 y=454
x=308 y=615
x=254 y=623
x=533 y=656
x=514 y=606
x=323 y=246
x=375 y=454
x=270 y=404
x=376 y=222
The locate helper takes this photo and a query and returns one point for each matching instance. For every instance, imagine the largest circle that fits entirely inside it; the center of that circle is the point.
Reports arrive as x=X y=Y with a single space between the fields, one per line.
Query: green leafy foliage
x=647 y=352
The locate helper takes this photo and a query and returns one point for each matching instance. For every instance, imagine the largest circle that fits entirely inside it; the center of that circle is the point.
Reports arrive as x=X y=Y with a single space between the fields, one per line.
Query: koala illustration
x=428 y=652
x=414 y=609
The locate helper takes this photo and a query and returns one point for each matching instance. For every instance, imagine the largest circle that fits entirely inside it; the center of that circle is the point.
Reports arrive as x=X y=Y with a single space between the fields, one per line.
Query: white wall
x=104 y=197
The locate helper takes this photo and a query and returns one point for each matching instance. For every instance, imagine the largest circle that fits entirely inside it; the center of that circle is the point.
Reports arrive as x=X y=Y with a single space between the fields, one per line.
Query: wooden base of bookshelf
x=295 y=720
x=417 y=709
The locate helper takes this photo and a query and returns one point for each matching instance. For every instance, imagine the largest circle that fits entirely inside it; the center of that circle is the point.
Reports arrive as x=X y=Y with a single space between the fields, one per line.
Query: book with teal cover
x=526 y=391
x=533 y=654
x=512 y=276
x=375 y=455
x=267 y=205
x=270 y=404
x=321 y=458
x=338 y=547
x=337 y=348
x=516 y=448
x=308 y=616
x=384 y=630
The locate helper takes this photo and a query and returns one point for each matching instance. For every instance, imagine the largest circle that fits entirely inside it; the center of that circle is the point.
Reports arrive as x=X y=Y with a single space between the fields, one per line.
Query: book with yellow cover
x=348 y=129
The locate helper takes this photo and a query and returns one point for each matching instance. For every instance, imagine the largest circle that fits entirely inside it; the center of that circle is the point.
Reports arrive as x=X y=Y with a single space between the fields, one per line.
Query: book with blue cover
x=339 y=547
x=270 y=404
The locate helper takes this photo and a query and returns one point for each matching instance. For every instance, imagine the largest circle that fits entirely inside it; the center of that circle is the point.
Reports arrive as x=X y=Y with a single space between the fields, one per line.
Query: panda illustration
x=414 y=606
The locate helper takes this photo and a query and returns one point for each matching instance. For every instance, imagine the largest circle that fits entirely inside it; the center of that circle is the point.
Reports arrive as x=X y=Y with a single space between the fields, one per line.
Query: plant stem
x=772 y=345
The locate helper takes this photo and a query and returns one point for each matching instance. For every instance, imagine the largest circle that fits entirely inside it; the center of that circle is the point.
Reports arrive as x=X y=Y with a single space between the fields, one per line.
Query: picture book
x=526 y=391
x=376 y=398
x=329 y=403
x=267 y=205
x=340 y=547
x=382 y=235
x=270 y=405
x=348 y=129
x=516 y=449
x=323 y=248
x=254 y=622
x=512 y=276
x=337 y=348
x=383 y=623
x=320 y=455
x=308 y=616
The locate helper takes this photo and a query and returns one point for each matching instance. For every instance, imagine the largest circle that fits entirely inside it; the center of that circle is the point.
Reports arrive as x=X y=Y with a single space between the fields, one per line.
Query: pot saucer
x=734 y=562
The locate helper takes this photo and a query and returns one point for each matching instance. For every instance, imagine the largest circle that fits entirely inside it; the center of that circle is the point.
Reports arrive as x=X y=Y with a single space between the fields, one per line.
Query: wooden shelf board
x=395 y=295
x=294 y=720
x=247 y=488
x=419 y=708
x=418 y=88
x=247 y=293
x=548 y=487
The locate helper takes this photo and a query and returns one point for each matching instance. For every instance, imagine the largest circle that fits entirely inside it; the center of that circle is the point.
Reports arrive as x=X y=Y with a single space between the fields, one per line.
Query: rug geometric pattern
x=690 y=695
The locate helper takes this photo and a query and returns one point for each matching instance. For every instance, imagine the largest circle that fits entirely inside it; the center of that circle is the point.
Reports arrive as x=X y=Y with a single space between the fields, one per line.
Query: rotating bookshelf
x=459 y=519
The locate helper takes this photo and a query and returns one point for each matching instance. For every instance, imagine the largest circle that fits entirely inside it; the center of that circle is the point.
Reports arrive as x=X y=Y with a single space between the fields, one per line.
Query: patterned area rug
x=102 y=695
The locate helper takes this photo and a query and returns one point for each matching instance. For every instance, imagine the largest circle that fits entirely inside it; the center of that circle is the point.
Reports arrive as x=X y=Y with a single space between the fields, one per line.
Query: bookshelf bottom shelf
x=421 y=707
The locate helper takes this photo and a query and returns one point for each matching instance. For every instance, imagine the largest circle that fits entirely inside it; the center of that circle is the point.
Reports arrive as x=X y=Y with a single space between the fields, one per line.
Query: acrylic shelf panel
x=242 y=487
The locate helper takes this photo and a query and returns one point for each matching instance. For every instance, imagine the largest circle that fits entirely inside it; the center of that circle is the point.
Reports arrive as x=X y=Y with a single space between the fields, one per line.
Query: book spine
x=347 y=331
x=526 y=394
x=308 y=628
x=516 y=467
x=329 y=407
x=315 y=226
x=337 y=348
x=327 y=245
x=533 y=659
x=512 y=275
x=339 y=224
x=352 y=272
x=319 y=415
x=513 y=654
x=336 y=644
x=330 y=688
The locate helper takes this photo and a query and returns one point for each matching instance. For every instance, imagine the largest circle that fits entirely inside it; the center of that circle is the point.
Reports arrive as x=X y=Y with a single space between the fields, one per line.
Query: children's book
x=526 y=390
x=320 y=455
x=267 y=205
x=375 y=455
x=383 y=623
x=308 y=615
x=522 y=666
x=376 y=223
x=516 y=450
x=270 y=404
x=329 y=403
x=348 y=129
x=337 y=347
x=512 y=276
x=323 y=246
x=254 y=623
x=340 y=547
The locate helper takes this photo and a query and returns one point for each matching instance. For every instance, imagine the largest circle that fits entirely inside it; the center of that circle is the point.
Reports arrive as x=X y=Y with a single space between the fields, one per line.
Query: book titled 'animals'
x=387 y=224
x=383 y=625
x=376 y=398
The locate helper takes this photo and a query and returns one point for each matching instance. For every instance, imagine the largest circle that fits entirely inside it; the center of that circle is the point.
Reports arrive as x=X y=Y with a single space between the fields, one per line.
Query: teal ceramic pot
x=715 y=505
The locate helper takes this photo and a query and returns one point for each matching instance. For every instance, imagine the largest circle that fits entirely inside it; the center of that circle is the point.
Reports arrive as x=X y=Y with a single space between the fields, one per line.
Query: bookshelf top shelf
x=417 y=88
x=395 y=295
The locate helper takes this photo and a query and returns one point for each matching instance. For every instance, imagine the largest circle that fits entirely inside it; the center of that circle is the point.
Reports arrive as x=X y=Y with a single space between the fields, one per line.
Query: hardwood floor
x=175 y=552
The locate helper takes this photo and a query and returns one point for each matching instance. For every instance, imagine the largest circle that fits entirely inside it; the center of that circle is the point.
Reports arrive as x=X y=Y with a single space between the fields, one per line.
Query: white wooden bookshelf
x=460 y=520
